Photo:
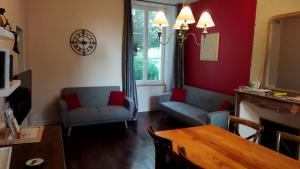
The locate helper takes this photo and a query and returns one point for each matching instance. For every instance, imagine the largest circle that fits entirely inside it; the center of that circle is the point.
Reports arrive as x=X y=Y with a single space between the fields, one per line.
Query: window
x=148 y=52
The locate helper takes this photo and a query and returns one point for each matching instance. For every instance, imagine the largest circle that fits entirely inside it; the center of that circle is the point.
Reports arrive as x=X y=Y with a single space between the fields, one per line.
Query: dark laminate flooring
x=111 y=146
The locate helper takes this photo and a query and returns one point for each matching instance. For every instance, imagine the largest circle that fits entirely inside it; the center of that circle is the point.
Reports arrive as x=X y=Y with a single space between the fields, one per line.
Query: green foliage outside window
x=153 y=64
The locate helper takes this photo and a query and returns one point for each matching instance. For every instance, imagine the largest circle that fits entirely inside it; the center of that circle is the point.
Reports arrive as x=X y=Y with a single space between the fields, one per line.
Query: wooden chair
x=233 y=123
x=163 y=150
x=184 y=162
x=286 y=136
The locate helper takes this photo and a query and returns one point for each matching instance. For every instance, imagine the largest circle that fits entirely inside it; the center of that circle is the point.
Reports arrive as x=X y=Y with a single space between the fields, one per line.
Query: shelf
x=4 y=92
x=6 y=35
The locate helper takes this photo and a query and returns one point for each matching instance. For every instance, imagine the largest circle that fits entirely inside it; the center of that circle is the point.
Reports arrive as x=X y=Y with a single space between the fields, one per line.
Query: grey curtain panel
x=129 y=85
x=178 y=76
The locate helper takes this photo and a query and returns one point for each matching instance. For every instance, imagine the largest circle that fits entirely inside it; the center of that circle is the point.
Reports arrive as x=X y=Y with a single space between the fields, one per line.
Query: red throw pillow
x=178 y=95
x=72 y=101
x=226 y=105
x=116 y=98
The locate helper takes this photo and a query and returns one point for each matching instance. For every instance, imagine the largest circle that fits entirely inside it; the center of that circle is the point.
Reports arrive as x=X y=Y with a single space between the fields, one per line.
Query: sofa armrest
x=164 y=97
x=219 y=118
x=63 y=108
x=129 y=104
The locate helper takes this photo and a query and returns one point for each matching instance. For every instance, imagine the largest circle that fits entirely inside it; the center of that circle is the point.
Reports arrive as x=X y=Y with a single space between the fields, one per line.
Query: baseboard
x=43 y=122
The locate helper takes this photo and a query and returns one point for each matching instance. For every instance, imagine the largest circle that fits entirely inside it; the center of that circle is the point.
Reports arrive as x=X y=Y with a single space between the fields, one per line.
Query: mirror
x=282 y=69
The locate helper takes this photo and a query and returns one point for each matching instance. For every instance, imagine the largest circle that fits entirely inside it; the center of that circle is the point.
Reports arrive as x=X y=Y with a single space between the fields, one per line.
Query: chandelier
x=183 y=20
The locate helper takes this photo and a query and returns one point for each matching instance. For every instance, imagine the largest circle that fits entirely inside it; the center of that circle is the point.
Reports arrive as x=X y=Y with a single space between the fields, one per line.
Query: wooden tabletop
x=215 y=148
x=50 y=149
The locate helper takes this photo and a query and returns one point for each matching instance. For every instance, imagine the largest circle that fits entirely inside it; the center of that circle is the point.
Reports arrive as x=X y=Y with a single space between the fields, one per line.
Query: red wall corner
x=235 y=20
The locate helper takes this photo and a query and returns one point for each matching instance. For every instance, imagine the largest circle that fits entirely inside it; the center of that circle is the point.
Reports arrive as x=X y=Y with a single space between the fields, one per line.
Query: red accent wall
x=235 y=20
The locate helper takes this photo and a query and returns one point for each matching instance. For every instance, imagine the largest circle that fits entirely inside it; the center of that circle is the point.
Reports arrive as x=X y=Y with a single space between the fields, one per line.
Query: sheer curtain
x=129 y=85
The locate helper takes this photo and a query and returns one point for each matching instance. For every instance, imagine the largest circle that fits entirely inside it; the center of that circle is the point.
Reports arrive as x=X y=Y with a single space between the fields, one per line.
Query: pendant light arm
x=164 y=43
x=195 y=39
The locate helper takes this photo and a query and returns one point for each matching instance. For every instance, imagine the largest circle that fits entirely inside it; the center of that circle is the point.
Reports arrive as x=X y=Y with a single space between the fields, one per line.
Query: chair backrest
x=185 y=163
x=233 y=123
x=163 y=149
x=286 y=136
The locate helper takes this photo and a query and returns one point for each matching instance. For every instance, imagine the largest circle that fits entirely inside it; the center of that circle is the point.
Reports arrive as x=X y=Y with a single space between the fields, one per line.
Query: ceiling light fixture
x=183 y=20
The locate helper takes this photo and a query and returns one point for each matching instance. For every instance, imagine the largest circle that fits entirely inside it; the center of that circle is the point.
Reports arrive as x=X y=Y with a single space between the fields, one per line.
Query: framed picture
x=209 y=47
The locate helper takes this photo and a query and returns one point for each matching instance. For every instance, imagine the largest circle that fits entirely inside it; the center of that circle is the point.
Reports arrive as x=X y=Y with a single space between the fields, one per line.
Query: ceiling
x=173 y=2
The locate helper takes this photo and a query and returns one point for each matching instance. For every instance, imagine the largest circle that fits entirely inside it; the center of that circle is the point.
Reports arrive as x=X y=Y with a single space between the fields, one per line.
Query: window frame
x=150 y=7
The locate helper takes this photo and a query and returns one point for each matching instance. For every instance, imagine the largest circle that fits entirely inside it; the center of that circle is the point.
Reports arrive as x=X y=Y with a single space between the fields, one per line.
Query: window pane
x=154 y=51
x=138 y=42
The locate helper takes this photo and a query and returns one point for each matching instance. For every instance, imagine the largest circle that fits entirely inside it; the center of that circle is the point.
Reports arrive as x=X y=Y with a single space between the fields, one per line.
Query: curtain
x=129 y=85
x=178 y=76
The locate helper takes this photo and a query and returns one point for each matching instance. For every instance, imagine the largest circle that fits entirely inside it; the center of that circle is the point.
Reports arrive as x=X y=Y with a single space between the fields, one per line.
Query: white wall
x=265 y=10
x=55 y=65
x=148 y=97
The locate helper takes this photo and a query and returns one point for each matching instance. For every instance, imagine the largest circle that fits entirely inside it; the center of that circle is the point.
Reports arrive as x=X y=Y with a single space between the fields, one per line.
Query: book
x=27 y=135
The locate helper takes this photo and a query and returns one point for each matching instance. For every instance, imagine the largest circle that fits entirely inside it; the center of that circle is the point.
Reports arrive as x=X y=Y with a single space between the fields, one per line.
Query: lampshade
x=178 y=24
x=186 y=15
x=205 y=21
x=160 y=20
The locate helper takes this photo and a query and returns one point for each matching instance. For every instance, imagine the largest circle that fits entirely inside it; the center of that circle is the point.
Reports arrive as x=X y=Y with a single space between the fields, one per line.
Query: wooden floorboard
x=111 y=146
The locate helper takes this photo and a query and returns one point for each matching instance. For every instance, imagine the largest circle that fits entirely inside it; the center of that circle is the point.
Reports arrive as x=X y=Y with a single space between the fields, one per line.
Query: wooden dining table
x=212 y=147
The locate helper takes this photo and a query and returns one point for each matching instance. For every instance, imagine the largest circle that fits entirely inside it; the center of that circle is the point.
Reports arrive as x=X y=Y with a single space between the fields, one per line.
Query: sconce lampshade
x=205 y=21
x=178 y=24
x=160 y=20
x=186 y=15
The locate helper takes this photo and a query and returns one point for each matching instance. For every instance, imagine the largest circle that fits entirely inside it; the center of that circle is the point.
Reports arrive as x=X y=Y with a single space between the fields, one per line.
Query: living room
x=125 y=53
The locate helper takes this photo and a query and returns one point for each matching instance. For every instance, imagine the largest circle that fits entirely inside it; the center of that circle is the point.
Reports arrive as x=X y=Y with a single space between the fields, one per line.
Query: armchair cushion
x=178 y=95
x=71 y=100
x=185 y=112
x=116 y=98
x=219 y=118
x=226 y=105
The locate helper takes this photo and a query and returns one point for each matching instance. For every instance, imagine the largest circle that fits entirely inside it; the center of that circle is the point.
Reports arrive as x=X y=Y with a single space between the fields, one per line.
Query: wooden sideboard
x=277 y=104
x=50 y=148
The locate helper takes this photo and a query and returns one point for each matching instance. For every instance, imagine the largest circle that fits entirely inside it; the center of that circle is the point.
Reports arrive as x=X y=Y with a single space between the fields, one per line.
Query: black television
x=20 y=100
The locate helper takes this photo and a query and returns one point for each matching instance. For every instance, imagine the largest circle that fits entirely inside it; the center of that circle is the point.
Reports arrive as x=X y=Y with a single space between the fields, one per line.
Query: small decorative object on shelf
x=83 y=42
x=4 y=23
x=3 y=20
x=255 y=84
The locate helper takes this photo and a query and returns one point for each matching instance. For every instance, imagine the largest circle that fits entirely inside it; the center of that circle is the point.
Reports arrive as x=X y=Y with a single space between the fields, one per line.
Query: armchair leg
x=69 y=131
x=126 y=125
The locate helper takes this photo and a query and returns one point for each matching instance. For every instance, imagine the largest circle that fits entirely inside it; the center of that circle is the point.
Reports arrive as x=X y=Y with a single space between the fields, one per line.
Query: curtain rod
x=160 y=3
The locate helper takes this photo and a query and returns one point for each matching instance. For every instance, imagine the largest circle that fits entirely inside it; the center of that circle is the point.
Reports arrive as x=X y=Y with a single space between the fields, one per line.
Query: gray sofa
x=200 y=107
x=94 y=108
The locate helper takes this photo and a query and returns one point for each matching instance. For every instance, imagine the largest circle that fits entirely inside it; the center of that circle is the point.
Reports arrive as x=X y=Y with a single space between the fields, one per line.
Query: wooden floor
x=111 y=146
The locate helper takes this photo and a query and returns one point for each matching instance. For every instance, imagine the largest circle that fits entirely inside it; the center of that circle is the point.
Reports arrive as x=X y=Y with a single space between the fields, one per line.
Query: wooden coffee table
x=50 y=149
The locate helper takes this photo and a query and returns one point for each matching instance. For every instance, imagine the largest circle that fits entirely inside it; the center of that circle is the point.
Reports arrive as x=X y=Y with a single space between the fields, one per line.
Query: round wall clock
x=83 y=42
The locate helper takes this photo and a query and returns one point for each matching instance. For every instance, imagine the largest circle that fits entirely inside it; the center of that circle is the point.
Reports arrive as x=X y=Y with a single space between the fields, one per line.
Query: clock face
x=83 y=42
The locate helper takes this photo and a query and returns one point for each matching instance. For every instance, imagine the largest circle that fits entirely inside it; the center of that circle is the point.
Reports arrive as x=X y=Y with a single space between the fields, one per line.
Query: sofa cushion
x=84 y=114
x=116 y=98
x=114 y=112
x=205 y=99
x=226 y=105
x=178 y=95
x=71 y=100
x=92 y=96
x=185 y=112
